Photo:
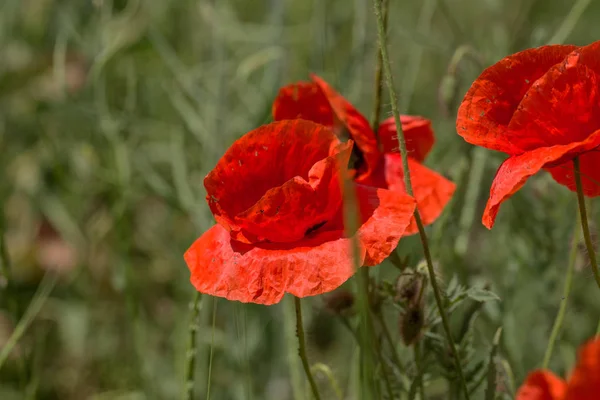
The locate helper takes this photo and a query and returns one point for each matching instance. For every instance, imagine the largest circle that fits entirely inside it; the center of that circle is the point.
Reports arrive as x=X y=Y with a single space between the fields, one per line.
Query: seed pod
x=411 y=324
x=408 y=288
x=340 y=302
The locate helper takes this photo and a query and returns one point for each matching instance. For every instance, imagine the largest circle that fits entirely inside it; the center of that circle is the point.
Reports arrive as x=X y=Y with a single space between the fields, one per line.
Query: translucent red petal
x=246 y=173
x=542 y=385
x=285 y=213
x=385 y=216
x=561 y=107
x=262 y=274
x=417 y=133
x=584 y=383
x=431 y=190
x=357 y=125
x=303 y=100
x=489 y=105
x=515 y=171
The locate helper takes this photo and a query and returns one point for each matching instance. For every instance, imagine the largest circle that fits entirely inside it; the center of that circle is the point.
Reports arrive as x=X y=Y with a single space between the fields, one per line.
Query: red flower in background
x=278 y=204
x=381 y=167
x=584 y=383
x=542 y=107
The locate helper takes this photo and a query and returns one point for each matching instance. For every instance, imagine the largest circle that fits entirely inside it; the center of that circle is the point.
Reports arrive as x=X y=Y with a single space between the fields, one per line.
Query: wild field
x=113 y=112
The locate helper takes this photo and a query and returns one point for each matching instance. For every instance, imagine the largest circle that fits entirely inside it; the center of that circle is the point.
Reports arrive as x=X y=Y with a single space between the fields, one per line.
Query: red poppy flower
x=377 y=165
x=542 y=107
x=584 y=383
x=276 y=197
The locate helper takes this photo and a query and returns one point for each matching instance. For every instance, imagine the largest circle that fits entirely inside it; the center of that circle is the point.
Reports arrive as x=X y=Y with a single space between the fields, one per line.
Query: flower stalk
x=408 y=185
x=584 y=222
x=302 y=349
x=560 y=316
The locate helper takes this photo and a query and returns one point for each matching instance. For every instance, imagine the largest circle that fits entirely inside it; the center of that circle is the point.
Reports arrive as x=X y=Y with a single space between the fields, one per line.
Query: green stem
x=4 y=258
x=212 y=347
x=417 y=350
x=384 y=371
x=388 y=337
x=190 y=365
x=408 y=184
x=302 y=349
x=378 y=78
x=563 y=303
x=584 y=222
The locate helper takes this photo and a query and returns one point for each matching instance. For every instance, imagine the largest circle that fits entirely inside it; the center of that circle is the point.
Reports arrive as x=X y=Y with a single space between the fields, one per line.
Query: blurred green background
x=111 y=114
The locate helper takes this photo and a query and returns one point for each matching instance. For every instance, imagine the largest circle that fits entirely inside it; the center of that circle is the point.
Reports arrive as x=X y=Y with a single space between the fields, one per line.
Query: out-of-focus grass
x=112 y=112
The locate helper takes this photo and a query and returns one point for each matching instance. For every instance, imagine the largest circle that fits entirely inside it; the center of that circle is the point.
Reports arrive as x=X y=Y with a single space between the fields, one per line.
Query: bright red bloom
x=542 y=107
x=278 y=204
x=317 y=101
x=584 y=383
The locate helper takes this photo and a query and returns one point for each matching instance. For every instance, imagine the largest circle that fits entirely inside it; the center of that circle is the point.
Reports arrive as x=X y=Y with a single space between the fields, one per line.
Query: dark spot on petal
x=313 y=228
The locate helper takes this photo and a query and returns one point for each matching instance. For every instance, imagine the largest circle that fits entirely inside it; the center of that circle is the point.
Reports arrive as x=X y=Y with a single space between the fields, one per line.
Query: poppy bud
x=340 y=302
x=411 y=324
x=448 y=94
x=408 y=288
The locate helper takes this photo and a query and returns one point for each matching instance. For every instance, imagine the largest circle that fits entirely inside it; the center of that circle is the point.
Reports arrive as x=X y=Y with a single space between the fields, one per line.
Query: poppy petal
x=286 y=213
x=357 y=125
x=584 y=383
x=513 y=172
x=561 y=107
x=417 y=133
x=262 y=274
x=246 y=171
x=589 y=166
x=386 y=215
x=488 y=106
x=303 y=100
x=431 y=190
x=542 y=385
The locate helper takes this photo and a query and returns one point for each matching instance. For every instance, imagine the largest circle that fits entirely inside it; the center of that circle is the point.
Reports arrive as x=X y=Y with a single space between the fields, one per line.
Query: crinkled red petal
x=542 y=385
x=515 y=171
x=303 y=100
x=431 y=190
x=263 y=273
x=263 y=159
x=285 y=213
x=589 y=165
x=385 y=216
x=489 y=105
x=417 y=133
x=358 y=127
x=584 y=383
x=561 y=107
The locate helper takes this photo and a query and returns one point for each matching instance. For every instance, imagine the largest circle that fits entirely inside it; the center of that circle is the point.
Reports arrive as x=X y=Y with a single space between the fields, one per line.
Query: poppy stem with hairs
x=378 y=79
x=407 y=183
x=563 y=303
x=584 y=222
x=190 y=354
x=302 y=349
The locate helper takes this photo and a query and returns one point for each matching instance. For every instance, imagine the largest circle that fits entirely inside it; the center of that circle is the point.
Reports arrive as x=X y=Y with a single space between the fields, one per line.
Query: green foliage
x=113 y=111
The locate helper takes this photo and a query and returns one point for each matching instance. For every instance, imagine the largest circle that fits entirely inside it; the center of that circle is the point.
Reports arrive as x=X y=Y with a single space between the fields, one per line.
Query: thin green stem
x=408 y=184
x=302 y=349
x=418 y=363
x=39 y=299
x=584 y=222
x=379 y=78
x=388 y=337
x=384 y=371
x=560 y=316
x=212 y=347
x=4 y=258
x=190 y=354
